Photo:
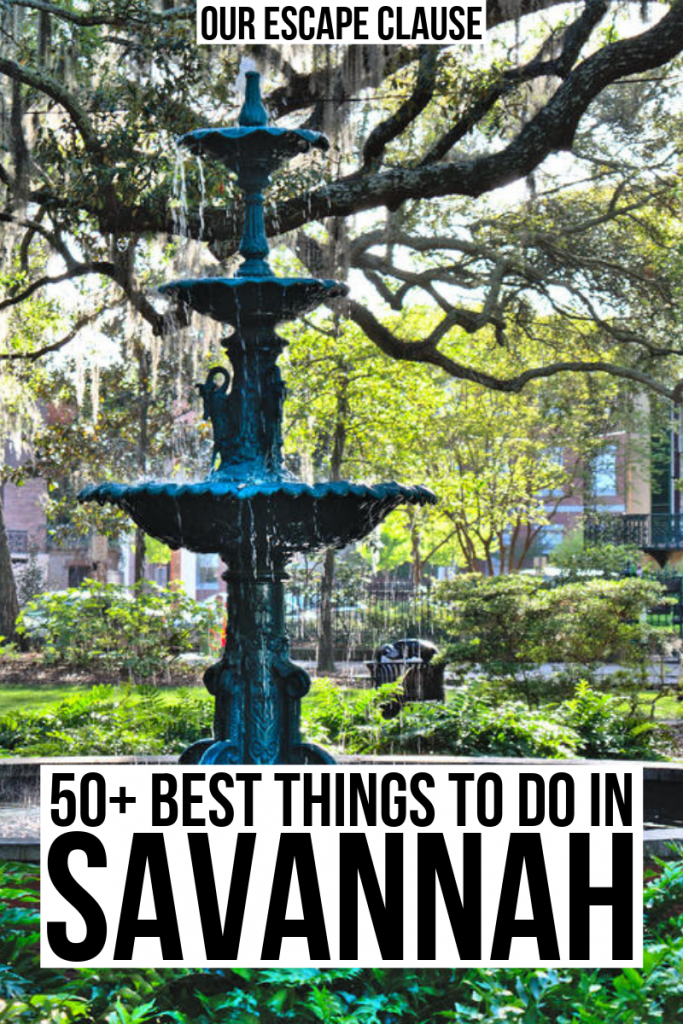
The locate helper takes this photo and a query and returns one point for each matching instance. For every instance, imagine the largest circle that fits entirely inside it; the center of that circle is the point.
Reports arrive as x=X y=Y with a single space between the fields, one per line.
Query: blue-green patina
x=250 y=510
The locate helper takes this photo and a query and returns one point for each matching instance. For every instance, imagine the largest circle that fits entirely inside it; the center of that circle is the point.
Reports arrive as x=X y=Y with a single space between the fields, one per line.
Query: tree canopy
x=525 y=196
x=563 y=100
x=500 y=464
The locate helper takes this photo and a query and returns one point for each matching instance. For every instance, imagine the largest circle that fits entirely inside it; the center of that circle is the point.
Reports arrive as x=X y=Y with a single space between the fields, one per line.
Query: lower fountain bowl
x=242 y=300
x=263 y=523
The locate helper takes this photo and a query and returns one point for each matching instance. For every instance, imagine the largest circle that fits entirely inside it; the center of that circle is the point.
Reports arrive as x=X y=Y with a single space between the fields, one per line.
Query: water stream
x=19 y=821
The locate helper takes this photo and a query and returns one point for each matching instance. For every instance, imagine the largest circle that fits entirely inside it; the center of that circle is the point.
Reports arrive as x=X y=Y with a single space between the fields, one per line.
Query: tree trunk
x=144 y=398
x=9 y=607
x=139 y=567
x=326 y=661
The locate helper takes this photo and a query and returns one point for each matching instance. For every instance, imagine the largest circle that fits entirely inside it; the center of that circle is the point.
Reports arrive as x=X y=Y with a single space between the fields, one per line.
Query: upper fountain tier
x=255 y=296
x=254 y=144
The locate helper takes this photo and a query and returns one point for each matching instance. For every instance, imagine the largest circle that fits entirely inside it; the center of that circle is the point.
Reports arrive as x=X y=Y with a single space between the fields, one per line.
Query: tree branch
x=573 y=39
x=91 y=20
x=325 y=84
x=407 y=112
x=47 y=85
x=81 y=270
x=32 y=357
x=426 y=351
x=552 y=129
x=160 y=323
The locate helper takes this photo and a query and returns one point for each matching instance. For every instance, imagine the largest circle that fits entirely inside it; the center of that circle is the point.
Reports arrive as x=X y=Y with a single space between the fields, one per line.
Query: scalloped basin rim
x=245 y=491
x=267 y=299
x=284 y=283
x=196 y=138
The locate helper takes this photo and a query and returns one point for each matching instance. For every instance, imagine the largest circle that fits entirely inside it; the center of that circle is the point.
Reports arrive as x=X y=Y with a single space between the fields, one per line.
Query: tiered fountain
x=250 y=510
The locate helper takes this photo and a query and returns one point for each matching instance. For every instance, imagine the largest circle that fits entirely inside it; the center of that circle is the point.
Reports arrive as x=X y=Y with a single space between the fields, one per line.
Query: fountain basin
x=271 y=521
x=20 y=823
x=238 y=300
x=265 y=145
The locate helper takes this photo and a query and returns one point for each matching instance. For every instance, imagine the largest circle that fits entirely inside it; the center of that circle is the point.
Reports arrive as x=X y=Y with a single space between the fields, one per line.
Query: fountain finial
x=253 y=114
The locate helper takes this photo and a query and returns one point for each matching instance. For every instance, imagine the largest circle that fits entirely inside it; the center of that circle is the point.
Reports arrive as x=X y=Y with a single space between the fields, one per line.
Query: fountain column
x=257 y=688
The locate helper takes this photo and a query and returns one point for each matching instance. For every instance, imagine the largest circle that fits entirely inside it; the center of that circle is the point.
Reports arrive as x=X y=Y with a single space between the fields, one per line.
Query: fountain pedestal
x=257 y=688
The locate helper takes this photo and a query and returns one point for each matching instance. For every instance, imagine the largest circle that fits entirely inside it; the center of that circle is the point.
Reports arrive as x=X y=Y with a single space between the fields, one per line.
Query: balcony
x=656 y=534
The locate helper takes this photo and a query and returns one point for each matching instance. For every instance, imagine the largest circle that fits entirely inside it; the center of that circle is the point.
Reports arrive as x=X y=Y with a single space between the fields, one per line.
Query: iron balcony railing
x=18 y=542
x=655 y=532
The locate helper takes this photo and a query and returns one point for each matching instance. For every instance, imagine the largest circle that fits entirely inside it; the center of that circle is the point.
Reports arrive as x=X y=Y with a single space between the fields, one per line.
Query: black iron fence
x=670 y=612
x=376 y=613
x=381 y=612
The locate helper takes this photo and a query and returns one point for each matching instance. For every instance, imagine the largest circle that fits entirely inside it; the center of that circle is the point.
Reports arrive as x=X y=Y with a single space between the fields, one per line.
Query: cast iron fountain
x=250 y=510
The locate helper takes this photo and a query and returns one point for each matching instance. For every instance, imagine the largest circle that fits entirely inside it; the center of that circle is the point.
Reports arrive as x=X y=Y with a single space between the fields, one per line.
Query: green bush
x=610 y=559
x=512 y=624
x=138 y=632
x=110 y=721
x=478 y=722
x=605 y=728
x=340 y=996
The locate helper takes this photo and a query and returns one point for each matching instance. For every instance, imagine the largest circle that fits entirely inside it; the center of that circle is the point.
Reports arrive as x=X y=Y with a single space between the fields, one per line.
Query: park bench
x=411 y=659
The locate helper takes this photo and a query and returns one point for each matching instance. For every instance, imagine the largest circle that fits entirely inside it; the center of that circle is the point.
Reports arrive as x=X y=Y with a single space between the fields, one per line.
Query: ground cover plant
x=346 y=996
x=109 y=721
x=476 y=720
x=660 y=705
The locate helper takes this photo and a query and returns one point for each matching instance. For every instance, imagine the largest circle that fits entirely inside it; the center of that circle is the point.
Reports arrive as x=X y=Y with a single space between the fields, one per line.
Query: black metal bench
x=411 y=659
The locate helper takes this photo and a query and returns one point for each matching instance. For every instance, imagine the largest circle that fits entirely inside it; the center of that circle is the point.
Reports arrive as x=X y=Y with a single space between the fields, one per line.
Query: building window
x=604 y=473
x=157 y=572
x=556 y=455
x=78 y=573
x=208 y=568
x=548 y=538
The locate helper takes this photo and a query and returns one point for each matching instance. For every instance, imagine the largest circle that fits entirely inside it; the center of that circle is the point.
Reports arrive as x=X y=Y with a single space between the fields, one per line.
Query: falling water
x=155 y=349
x=202 y=196
x=246 y=64
x=95 y=391
x=180 y=212
x=180 y=194
x=80 y=377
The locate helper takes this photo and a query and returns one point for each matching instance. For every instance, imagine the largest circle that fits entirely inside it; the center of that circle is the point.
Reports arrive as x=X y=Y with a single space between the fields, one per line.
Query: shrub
x=609 y=559
x=345 y=718
x=340 y=995
x=606 y=729
x=31 y=581
x=138 y=632
x=477 y=722
x=511 y=624
x=110 y=721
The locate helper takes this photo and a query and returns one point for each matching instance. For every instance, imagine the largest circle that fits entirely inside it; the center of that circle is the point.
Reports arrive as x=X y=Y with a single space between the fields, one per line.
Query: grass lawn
x=39 y=698
x=667 y=707
x=31 y=698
